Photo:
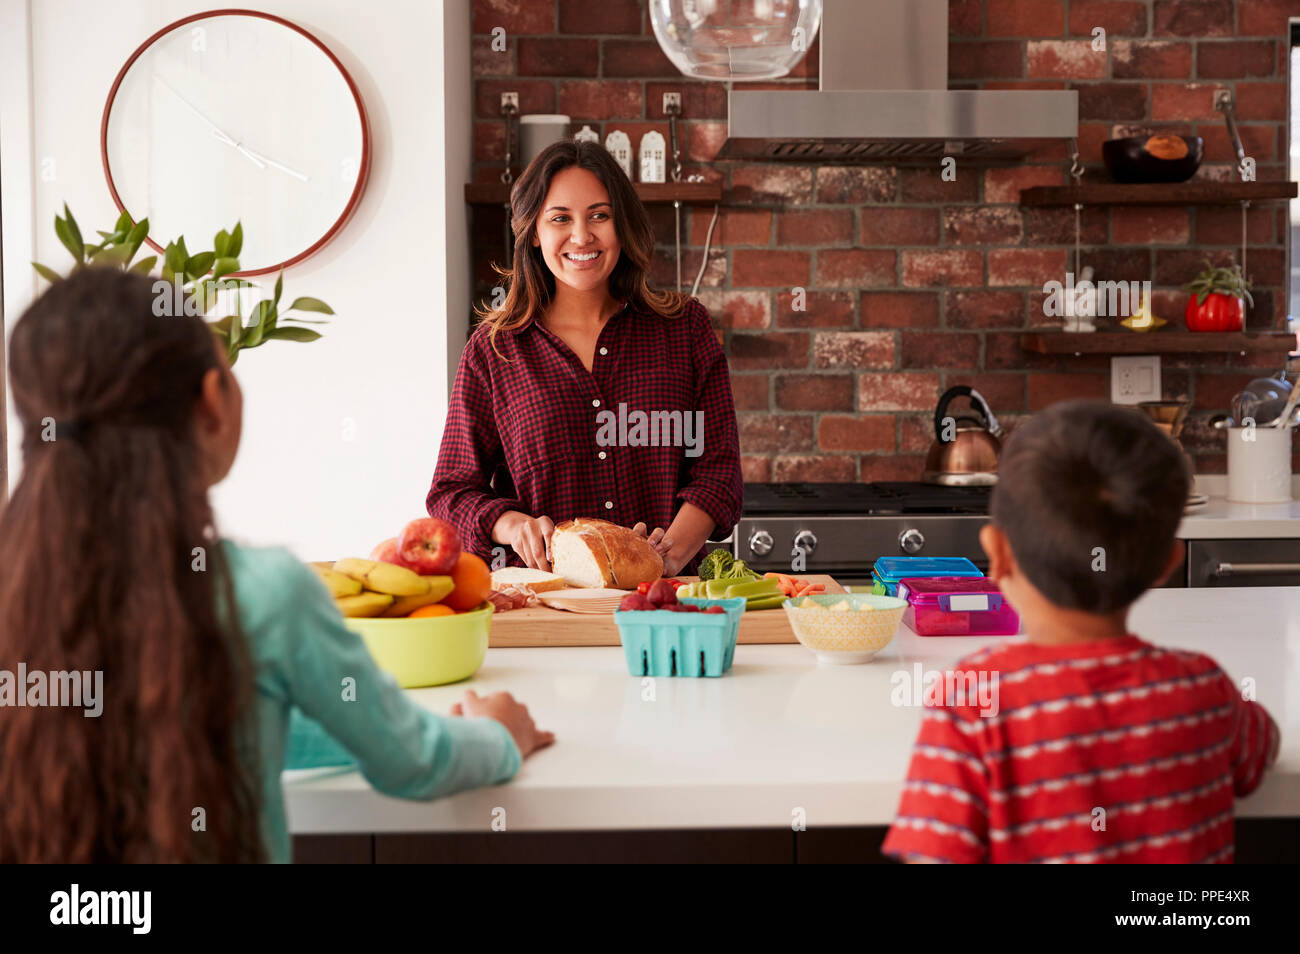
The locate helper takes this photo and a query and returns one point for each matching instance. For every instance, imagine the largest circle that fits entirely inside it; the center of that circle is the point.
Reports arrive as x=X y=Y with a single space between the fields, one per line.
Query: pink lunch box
x=956 y=606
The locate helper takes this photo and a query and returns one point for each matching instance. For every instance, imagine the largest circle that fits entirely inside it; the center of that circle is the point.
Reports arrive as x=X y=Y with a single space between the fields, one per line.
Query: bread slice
x=588 y=552
x=539 y=581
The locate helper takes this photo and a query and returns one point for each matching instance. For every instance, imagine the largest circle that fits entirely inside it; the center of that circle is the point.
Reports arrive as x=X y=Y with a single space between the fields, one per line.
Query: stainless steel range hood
x=884 y=97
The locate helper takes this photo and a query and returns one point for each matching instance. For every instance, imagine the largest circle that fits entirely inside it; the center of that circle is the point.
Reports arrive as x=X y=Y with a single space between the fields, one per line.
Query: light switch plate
x=1135 y=378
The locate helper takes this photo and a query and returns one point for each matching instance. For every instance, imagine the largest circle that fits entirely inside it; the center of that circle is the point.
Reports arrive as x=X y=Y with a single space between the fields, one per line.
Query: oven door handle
x=1254 y=569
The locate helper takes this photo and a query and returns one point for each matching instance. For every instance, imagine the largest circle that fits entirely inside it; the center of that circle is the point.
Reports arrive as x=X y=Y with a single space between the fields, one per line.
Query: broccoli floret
x=715 y=565
x=739 y=571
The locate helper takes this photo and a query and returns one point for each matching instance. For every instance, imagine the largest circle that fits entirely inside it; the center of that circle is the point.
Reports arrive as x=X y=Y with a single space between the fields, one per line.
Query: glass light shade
x=735 y=39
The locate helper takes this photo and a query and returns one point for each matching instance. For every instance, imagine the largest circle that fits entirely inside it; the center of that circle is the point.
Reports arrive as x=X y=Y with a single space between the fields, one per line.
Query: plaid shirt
x=526 y=434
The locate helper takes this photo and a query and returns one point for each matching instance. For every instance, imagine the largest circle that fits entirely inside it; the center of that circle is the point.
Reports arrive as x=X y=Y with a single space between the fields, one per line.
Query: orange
x=433 y=609
x=473 y=582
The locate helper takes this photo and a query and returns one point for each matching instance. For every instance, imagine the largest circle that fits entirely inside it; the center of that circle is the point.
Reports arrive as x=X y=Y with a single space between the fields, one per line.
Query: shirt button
x=604 y=351
x=602 y=455
x=609 y=505
x=595 y=402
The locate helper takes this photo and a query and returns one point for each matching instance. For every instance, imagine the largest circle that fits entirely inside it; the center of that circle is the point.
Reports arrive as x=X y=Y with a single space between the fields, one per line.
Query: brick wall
x=914 y=284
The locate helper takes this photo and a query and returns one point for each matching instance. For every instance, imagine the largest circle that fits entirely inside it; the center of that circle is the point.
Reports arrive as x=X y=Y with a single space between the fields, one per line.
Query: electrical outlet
x=1135 y=378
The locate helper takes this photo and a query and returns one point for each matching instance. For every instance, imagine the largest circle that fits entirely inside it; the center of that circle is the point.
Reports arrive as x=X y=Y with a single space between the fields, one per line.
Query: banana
x=338 y=584
x=364 y=604
x=439 y=587
x=383 y=577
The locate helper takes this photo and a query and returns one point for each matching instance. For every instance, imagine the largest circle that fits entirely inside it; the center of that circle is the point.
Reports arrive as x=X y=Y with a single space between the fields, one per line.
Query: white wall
x=398 y=276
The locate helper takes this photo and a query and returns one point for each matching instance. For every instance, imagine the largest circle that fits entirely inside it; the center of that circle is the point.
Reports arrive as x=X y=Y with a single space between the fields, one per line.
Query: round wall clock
x=236 y=115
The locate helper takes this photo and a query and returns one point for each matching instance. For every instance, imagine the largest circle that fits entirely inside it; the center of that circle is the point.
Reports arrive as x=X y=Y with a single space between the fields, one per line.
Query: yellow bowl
x=430 y=650
x=843 y=637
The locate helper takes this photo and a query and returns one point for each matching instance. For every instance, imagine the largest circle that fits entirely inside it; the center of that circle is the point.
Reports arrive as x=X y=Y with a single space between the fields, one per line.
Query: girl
x=111 y=564
x=582 y=341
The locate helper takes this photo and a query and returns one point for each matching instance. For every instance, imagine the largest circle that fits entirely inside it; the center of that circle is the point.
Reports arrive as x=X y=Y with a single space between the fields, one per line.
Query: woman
x=543 y=419
x=204 y=649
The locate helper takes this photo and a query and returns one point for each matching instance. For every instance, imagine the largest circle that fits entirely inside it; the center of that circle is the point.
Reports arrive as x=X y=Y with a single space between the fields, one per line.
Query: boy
x=1104 y=747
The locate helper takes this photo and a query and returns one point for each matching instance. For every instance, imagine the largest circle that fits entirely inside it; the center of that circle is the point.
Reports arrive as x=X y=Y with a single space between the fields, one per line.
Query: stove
x=841 y=529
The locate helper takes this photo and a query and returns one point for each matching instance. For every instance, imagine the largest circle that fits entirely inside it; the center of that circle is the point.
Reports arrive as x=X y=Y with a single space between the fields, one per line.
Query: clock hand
x=216 y=131
x=283 y=168
x=252 y=156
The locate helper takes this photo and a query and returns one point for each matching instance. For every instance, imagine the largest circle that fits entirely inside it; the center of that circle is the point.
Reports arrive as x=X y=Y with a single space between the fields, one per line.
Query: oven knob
x=806 y=541
x=911 y=541
x=760 y=543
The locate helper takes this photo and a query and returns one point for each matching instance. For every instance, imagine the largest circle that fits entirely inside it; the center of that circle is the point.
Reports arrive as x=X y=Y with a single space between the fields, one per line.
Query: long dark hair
x=98 y=572
x=530 y=284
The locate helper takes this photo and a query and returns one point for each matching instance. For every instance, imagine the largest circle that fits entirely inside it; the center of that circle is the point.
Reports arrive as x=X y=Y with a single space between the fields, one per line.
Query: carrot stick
x=801 y=590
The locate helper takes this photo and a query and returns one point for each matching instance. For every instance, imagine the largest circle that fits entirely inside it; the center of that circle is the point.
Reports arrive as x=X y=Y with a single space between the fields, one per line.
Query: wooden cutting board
x=541 y=626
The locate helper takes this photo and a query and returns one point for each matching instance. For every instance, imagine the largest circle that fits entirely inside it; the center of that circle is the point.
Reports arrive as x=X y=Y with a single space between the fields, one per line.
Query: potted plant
x=193 y=283
x=1219 y=299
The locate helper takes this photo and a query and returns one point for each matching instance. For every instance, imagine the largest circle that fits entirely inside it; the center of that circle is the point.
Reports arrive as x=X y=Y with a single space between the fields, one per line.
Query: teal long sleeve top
x=322 y=701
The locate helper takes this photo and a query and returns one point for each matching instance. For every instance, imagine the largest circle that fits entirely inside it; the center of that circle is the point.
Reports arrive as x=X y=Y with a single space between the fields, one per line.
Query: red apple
x=386 y=552
x=429 y=546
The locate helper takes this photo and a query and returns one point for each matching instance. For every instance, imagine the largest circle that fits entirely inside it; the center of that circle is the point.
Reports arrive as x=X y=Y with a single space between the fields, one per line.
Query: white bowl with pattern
x=845 y=636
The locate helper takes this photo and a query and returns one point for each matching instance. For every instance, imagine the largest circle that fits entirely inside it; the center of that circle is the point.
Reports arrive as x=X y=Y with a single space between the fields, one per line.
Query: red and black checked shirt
x=521 y=432
x=1159 y=738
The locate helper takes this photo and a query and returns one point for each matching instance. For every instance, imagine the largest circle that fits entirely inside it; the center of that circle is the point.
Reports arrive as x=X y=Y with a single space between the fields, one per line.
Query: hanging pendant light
x=735 y=39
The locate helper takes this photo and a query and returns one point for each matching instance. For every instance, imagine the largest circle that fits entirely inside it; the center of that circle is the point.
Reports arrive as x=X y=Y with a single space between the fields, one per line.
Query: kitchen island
x=777 y=740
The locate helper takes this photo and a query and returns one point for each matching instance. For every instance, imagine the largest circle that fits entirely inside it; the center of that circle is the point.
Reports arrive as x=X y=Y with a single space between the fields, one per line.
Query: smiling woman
x=579 y=335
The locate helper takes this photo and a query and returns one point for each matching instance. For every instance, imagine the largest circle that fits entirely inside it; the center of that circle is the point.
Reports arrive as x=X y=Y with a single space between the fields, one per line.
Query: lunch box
x=889 y=570
x=668 y=643
x=956 y=606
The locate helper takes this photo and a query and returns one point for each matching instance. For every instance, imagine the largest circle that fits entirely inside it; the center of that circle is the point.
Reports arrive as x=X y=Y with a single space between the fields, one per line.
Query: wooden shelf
x=653 y=193
x=1278 y=343
x=1159 y=193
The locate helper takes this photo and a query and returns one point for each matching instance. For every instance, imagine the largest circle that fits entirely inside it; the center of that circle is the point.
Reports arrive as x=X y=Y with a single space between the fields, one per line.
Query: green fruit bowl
x=427 y=651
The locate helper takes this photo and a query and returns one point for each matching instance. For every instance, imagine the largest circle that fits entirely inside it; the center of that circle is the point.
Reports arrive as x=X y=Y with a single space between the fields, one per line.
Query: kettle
x=966 y=445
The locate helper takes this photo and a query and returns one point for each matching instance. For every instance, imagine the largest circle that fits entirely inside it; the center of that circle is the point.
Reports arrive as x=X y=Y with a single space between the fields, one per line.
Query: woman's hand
x=530 y=537
x=663 y=544
x=511 y=714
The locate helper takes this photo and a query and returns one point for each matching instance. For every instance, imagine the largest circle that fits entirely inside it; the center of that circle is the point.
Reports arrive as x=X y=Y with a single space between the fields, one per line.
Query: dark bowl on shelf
x=1158 y=158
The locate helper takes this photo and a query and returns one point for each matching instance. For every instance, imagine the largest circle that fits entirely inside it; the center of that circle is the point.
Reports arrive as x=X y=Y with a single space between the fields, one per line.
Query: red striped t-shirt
x=1109 y=751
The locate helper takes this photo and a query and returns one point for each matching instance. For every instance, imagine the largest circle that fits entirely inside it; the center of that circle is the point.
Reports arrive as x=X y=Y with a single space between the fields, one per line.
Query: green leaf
x=222 y=326
x=145 y=265
x=224 y=265
x=236 y=240
x=180 y=243
x=71 y=241
x=115 y=257
x=221 y=244
x=123 y=223
x=235 y=332
x=135 y=238
x=306 y=321
x=310 y=304
x=72 y=226
x=263 y=312
x=279 y=285
x=289 y=333
x=174 y=258
x=197 y=265
x=49 y=274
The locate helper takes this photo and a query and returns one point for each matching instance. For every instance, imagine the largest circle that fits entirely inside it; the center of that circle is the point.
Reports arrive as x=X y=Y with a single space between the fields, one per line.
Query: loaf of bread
x=589 y=552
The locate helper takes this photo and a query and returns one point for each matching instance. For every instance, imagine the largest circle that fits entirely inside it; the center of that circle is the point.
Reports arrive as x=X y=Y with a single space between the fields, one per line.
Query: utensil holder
x=1259 y=464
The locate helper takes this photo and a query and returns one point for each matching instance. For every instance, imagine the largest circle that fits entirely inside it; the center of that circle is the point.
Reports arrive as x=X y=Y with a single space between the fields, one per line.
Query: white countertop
x=1221 y=519
x=775 y=734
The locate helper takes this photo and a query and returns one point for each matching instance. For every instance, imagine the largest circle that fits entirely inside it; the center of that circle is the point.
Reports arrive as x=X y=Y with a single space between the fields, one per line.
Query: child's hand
x=511 y=714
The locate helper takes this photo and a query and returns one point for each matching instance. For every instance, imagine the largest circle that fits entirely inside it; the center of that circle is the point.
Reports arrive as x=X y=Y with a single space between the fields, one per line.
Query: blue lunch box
x=889 y=570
